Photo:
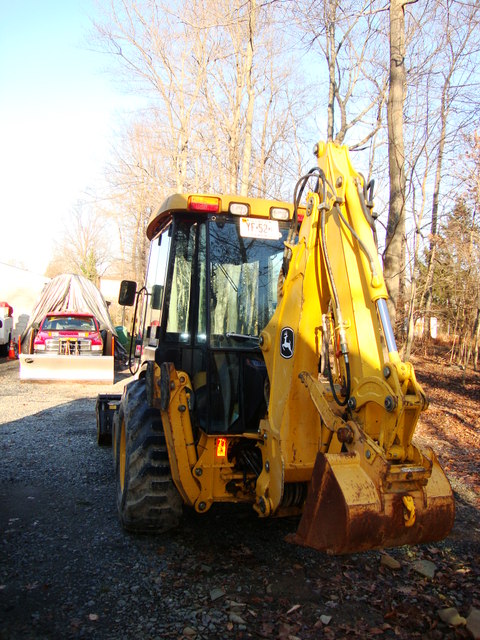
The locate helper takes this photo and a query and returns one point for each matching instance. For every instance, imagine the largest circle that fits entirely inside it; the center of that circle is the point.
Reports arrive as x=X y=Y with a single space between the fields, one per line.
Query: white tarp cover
x=70 y=292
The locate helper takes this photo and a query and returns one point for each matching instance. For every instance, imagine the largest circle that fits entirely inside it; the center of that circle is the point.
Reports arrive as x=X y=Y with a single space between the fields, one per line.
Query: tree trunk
x=331 y=9
x=247 y=146
x=411 y=325
x=394 y=256
x=477 y=336
x=427 y=296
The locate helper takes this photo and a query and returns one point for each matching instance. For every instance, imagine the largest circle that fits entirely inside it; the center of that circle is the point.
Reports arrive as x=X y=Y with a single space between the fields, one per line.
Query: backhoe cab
x=268 y=372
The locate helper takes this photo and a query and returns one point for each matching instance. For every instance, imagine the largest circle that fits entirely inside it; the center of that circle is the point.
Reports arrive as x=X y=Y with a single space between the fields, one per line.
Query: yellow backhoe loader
x=267 y=372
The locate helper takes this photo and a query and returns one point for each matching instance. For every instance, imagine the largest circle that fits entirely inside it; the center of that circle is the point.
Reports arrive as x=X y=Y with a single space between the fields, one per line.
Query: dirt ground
x=68 y=570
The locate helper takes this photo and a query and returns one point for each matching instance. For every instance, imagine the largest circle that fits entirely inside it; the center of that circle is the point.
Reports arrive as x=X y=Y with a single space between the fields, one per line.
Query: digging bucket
x=350 y=507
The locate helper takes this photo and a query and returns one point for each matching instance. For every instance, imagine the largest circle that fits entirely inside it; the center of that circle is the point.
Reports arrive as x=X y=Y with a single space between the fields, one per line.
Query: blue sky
x=58 y=111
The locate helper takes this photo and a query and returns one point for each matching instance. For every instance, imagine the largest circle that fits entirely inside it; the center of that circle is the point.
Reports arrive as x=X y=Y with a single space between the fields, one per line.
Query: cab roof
x=204 y=203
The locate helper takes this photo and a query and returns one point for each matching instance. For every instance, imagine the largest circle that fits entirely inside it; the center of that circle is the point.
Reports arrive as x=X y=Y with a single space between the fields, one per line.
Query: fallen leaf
x=350 y=575
x=294 y=608
x=389 y=561
x=233 y=604
x=434 y=550
x=406 y=590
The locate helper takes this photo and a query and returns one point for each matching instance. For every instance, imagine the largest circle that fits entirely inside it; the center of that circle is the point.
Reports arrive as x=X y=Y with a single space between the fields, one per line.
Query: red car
x=69 y=333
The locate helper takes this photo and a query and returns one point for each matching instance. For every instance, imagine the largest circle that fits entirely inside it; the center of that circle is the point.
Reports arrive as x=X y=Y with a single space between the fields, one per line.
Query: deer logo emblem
x=286 y=342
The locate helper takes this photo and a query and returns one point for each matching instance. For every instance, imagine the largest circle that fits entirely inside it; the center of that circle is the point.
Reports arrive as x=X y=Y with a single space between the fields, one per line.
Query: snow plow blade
x=71 y=368
x=351 y=508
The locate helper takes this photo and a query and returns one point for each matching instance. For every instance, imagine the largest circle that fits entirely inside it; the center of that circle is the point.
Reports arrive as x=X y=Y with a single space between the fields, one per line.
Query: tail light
x=207 y=204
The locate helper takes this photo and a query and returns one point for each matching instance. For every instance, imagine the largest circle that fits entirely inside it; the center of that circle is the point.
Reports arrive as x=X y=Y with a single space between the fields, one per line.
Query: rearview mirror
x=127 y=293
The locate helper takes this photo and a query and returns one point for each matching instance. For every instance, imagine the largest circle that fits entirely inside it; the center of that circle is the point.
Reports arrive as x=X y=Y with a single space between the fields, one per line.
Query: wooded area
x=234 y=96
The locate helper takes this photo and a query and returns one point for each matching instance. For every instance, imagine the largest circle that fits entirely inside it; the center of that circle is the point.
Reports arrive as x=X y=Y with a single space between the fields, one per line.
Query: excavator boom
x=348 y=389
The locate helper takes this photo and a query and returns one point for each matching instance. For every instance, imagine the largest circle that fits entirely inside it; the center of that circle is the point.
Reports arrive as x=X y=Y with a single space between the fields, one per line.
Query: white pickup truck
x=6 y=327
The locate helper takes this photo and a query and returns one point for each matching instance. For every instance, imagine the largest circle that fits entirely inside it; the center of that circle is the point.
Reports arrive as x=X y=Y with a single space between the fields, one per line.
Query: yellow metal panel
x=178 y=429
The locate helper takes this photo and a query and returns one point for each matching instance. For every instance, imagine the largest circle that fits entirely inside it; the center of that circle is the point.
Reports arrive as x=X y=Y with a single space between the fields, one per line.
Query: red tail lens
x=221 y=448
x=208 y=204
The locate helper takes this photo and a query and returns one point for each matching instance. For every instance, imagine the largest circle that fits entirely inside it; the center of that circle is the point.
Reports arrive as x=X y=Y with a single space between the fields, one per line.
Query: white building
x=21 y=289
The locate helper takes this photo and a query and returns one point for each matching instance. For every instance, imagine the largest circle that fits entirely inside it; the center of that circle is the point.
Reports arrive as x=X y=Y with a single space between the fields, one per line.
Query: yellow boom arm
x=341 y=400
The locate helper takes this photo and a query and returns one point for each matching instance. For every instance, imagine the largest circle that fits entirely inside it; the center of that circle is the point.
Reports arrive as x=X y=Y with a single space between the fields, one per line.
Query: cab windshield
x=222 y=290
x=243 y=279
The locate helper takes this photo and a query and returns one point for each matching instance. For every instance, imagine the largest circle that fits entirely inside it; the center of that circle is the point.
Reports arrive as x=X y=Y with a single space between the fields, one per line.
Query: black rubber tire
x=147 y=499
x=117 y=420
x=4 y=349
x=104 y=438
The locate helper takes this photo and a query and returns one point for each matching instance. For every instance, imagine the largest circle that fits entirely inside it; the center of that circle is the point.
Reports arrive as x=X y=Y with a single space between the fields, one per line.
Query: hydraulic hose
x=297 y=196
x=362 y=196
x=321 y=189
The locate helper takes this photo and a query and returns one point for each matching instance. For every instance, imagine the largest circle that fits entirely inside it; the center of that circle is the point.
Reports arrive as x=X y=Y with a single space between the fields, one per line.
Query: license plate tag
x=255 y=228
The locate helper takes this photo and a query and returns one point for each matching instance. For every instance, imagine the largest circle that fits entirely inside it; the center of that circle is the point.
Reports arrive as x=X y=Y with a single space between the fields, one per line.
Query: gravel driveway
x=68 y=570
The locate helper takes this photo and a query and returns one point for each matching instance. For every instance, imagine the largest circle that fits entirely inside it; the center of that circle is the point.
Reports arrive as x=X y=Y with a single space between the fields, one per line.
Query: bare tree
x=159 y=55
x=137 y=178
x=472 y=174
x=250 y=114
x=457 y=290
x=352 y=40
x=459 y=38
x=394 y=254
x=225 y=115
x=83 y=247
x=207 y=68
